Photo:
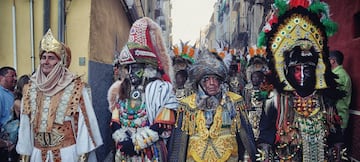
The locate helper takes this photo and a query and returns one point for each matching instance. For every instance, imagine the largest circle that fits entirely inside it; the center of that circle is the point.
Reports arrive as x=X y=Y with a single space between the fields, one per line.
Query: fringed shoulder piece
x=113 y=94
x=186 y=114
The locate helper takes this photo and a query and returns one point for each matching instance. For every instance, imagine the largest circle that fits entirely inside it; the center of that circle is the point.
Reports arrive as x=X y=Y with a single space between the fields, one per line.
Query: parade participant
x=298 y=118
x=255 y=100
x=257 y=89
x=143 y=103
x=257 y=61
x=212 y=122
x=182 y=61
x=57 y=120
x=181 y=87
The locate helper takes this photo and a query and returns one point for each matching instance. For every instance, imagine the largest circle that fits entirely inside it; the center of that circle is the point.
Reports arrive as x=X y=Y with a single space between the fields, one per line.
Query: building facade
x=347 y=15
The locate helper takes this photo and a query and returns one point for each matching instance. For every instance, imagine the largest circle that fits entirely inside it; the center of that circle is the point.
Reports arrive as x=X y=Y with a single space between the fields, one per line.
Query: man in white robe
x=56 y=111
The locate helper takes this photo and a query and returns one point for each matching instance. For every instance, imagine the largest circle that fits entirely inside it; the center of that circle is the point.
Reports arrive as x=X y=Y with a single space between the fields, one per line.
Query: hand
x=5 y=143
x=264 y=152
x=156 y=127
x=127 y=147
x=160 y=128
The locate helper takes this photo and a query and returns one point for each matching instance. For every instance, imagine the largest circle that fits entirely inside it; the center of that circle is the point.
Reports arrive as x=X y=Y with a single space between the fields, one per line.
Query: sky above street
x=189 y=17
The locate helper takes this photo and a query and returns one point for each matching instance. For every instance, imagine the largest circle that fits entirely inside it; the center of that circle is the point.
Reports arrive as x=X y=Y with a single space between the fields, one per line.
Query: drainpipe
x=61 y=20
x=46 y=15
x=13 y=9
x=32 y=35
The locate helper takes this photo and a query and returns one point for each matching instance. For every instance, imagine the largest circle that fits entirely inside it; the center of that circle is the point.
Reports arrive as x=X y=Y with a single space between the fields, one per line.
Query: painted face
x=180 y=77
x=48 y=61
x=9 y=80
x=136 y=72
x=302 y=75
x=211 y=84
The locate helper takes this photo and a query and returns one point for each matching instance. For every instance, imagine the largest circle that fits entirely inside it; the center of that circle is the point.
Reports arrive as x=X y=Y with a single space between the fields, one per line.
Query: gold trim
x=50 y=44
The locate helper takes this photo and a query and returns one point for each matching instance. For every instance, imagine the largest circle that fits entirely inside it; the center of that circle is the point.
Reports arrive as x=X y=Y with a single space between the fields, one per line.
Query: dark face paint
x=302 y=77
x=136 y=72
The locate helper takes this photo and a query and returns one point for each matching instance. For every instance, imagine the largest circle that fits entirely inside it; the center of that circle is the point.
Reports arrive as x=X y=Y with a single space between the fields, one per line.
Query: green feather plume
x=261 y=39
x=319 y=7
x=282 y=6
x=330 y=27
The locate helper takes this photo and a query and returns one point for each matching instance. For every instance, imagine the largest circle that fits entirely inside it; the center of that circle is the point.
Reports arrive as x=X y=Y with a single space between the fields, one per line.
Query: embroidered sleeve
x=165 y=116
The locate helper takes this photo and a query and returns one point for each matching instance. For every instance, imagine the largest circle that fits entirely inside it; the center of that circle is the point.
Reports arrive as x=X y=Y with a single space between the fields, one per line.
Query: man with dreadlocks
x=143 y=103
x=212 y=121
x=299 y=121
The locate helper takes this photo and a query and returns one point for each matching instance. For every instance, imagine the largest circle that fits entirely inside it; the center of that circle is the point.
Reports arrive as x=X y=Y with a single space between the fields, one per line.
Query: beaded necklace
x=132 y=111
x=306 y=106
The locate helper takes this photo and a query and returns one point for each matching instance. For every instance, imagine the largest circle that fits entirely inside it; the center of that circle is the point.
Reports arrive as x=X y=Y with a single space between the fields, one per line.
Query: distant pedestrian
x=342 y=105
x=8 y=81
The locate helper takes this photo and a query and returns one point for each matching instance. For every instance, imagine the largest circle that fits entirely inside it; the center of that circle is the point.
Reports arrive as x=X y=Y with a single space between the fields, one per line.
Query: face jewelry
x=135 y=94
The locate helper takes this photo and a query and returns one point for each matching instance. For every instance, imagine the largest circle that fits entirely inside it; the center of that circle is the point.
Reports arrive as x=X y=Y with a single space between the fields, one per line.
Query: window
x=357 y=25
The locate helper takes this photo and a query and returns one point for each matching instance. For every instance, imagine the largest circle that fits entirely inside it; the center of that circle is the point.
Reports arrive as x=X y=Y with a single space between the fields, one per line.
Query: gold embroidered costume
x=211 y=124
x=56 y=111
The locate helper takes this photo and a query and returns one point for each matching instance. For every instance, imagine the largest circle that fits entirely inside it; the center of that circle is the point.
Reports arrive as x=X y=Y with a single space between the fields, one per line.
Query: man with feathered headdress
x=257 y=89
x=182 y=60
x=143 y=103
x=211 y=123
x=299 y=121
x=56 y=111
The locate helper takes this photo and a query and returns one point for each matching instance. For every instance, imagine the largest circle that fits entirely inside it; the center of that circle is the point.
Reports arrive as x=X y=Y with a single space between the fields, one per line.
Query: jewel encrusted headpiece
x=145 y=45
x=50 y=44
x=298 y=23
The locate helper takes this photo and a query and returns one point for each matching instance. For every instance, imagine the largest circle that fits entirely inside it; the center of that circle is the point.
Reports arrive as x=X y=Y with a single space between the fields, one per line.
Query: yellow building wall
x=76 y=33
x=22 y=59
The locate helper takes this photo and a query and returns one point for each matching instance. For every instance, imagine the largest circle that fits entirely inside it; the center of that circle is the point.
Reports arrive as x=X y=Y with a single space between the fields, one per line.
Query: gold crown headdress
x=50 y=44
x=292 y=22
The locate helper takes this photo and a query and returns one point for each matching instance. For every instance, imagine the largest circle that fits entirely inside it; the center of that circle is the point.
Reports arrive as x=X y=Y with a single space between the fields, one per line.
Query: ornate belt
x=59 y=137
